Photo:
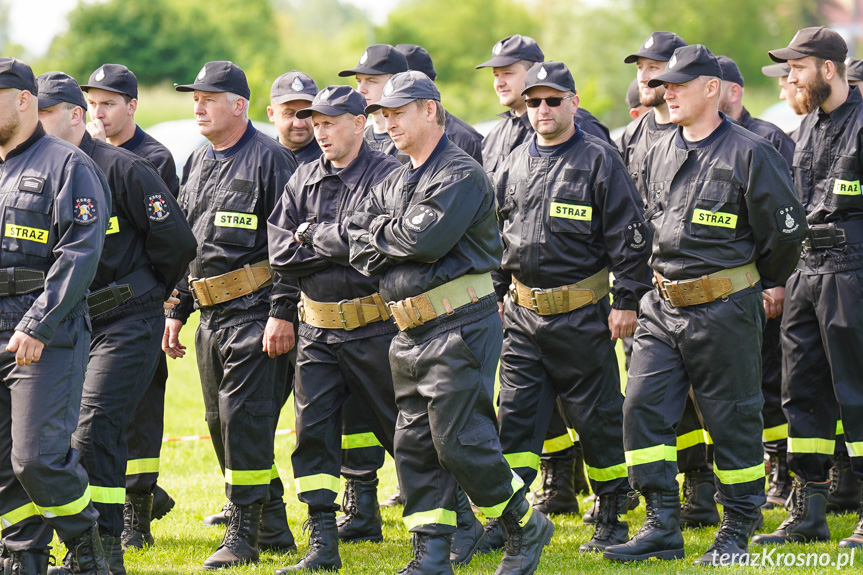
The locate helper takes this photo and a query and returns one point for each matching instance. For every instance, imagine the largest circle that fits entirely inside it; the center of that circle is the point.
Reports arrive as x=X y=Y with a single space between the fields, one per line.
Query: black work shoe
x=362 y=518
x=779 y=487
x=162 y=503
x=527 y=532
x=660 y=535
x=845 y=489
x=136 y=521
x=807 y=516
x=430 y=555
x=29 y=562
x=611 y=527
x=113 y=548
x=855 y=540
x=240 y=544
x=469 y=532
x=494 y=537
x=85 y=556
x=275 y=534
x=731 y=544
x=589 y=517
x=323 y=553
x=395 y=499
x=698 y=508
x=557 y=494
x=220 y=518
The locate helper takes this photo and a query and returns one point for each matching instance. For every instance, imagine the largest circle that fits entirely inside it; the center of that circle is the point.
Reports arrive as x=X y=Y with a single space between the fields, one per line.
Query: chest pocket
x=235 y=221
x=801 y=167
x=569 y=210
x=844 y=187
x=27 y=227
x=716 y=210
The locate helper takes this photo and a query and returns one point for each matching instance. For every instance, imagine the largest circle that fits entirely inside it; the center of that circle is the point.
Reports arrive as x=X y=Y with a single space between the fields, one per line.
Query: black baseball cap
x=633 y=97
x=418 y=59
x=379 y=59
x=335 y=101
x=113 y=78
x=854 y=69
x=815 y=41
x=405 y=88
x=513 y=49
x=686 y=64
x=730 y=71
x=293 y=86
x=17 y=74
x=550 y=74
x=56 y=88
x=659 y=46
x=219 y=76
x=776 y=70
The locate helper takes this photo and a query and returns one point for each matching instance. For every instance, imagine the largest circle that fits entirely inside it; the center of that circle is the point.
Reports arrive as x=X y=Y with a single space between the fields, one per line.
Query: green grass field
x=190 y=473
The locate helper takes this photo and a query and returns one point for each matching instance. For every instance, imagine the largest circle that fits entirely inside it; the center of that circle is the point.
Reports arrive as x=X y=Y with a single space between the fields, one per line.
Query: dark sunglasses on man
x=552 y=102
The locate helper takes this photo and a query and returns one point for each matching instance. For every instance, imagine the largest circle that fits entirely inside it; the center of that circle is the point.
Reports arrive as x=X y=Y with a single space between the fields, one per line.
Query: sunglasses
x=552 y=102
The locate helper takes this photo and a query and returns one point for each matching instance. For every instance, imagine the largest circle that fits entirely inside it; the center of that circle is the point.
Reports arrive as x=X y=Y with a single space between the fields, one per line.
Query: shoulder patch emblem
x=85 y=211
x=157 y=209
x=635 y=237
x=786 y=220
x=419 y=218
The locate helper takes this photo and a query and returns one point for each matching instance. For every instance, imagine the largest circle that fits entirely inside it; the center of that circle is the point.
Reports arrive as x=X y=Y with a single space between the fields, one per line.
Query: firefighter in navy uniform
x=149 y=247
x=112 y=98
x=429 y=231
x=822 y=323
x=289 y=94
x=569 y=214
x=345 y=332
x=229 y=188
x=726 y=225
x=56 y=209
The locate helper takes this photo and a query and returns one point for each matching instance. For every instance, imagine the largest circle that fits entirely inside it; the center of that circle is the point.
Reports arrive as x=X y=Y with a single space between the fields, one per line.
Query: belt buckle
x=301 y=310
x=668 y=296
x=839 y=235
x=533 y=302
x=342 y=315
x=193 y=291
x=513 y=293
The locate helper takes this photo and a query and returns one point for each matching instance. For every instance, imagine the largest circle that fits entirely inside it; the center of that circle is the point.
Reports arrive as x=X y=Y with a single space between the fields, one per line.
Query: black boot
x=855 y=540
x=430 y=555
x=395 y=499
x=611 y=529
x=240 y=544
x=699 y=507
x=589 y=517
x=362 y=518
x=660 y=535
x=162 y=502
x=779 y=488
x=469 y=533
x=807 y=516
x=275 y=534
x=323 y=553
x=731 y=544
x=494 y=537
x=845 y=489
x=220 y=518
x=136 y=521
x=29 y=562
x=557 y=495
x=579 y=479
x=527 y=532
x=85 y=556
x=113 y=548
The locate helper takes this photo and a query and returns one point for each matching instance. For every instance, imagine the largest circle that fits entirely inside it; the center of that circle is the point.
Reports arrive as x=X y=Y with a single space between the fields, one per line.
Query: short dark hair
x=440 y=112
x=840 y=66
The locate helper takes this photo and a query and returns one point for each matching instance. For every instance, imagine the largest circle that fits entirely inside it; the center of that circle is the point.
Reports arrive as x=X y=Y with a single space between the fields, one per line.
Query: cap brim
x=784 y=54
x=362 y=70
x=389 y=103
x=633 y=58
x=107 y=89
x=499 y=62
x=776 y=70
x=198 y=86
x=670 y=78
x=551 y=85
x=321 y=109
x=291 y=98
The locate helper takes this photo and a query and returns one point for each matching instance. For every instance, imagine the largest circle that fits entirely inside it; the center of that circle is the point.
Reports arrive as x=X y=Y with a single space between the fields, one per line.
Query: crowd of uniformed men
x=384 y=262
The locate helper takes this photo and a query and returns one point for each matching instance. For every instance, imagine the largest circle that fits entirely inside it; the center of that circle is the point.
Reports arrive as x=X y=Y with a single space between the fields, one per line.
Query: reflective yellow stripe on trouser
x=248 y=477
x=439 y=516
x=497 y=510
x=523 y=459
x=109 y=495
x=315 y=482
x=72 y=508
x=558 y=443
x=777 y=433
x=651 y=455
x=138 y=466
x=691 y=439
x=18 y=515
x=360 y=440
x=274 y=472
x=855 y=449
x=811 y=445
x=607 y=473
x=734 y=476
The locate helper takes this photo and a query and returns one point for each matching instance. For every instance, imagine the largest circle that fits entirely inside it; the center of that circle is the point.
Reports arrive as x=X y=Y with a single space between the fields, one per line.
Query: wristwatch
x=301 y=232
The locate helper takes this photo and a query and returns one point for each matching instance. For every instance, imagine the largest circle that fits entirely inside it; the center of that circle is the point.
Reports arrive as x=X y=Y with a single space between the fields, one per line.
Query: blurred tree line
x=169 y=40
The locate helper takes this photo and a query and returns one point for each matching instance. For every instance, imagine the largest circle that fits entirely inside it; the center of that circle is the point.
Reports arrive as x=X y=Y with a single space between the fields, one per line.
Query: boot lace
x=239 y=526
x=732 y=527
x=419 y=549
x=350 y=500
x=515 y=534
x=797 y=507
x=606 y=517
x=312 y=526
x=689 y=485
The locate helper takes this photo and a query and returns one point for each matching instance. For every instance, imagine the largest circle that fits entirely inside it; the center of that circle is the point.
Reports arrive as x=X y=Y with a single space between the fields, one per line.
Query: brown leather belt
x=347 y=314
x=718 y=285
x=220 y=289
x=415 y=311
x=563 y=299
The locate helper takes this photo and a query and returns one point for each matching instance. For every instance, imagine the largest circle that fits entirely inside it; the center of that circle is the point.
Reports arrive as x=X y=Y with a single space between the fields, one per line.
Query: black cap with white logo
x=686 y=64
x=56 y=88
x=513 y=49
x=776 y=70
x=113 y=78
x=418 y=59
x=815 y=41
x=17 y=74
x=379 y=59
x=293 y=86
x=659 y=46
x=219 y=76
x=854 y=69
x=730 y=71
x=405 y=88
x=335 y=101
x=553 y=75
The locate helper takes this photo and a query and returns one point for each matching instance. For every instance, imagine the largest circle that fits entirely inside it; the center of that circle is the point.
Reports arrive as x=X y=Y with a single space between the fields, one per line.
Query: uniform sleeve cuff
x=33 y=328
